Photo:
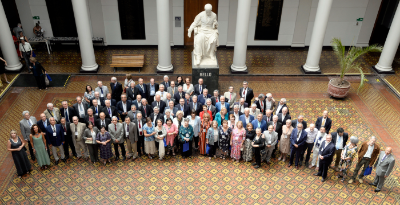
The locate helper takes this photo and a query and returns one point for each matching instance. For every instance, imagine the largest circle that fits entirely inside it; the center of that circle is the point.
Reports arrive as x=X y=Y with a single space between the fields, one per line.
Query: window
x=62 y=18
x=268 y=19
x=131 y=19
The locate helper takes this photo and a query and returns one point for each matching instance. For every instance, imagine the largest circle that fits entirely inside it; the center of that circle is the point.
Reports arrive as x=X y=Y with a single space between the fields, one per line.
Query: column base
x=239 y=69
x=310 y=71
x=165 y=69
x=90 y=71
x=391 y=71
x=14 y=68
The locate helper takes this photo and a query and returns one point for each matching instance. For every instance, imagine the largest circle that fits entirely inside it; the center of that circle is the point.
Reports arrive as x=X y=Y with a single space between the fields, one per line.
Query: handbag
x=33 y=54
x=368 y=171
x=165 y=142
x=185 y=147
x=207 y=149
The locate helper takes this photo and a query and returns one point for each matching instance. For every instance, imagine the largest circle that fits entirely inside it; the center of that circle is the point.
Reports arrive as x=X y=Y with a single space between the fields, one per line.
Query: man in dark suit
x=203 y=97
x=300 y=120
x=55 y=139
x=146 y=109
x=123 y=107
x=194 y=105
x=281 y=105
x=42 y=124
x=246 y=93
x=339 y=139
x=113 y=101
x=138 y=102
x=109 y=110
x=325 y=157
x=216 y=97
x=140 y=122
x=211 y=107
x=183 y=107
x=168 y=99
x=67 y=112
x=116 y=89
x=199 y=88
x=97 y=109
x=100 y=101
x=166 y=82
x=242 y=105
x=261 y=103
x=268 y=117
x=284 y=116
x=277 y=128
x=142 y=88
x=324 y=121
x=132 y=92
x=159 y=103
x=259 y=123
x=102 y=121
x=152 y=88
x=180 y=94
x=297 y=142
x=155 y=115
x=68 y=138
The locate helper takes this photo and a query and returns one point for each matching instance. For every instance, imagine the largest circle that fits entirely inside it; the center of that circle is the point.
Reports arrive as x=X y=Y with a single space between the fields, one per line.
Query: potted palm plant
x=339 y=87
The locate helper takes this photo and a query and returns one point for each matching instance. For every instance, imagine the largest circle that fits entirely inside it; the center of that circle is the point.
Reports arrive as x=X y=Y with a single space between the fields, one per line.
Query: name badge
x=269 y=142
x=284 y=136
x=127 y=133
x=76 y=133
x=65 y=133
x=236 y=138
x=204 y=130
x=187 y=135
x=97 y=114
x=54 y=134
x=101 y=95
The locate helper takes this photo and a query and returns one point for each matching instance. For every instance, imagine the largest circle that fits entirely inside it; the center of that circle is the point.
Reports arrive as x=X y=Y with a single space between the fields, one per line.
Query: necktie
x=208 y=108
x=101 y=90
x=244 y=92
x=216 y=99
x=96 y=108
x=180 y=94
x=109 y=111
x=230 y=97
x=66 y=115
x=274 y=126
x=76 y=130
x=29 y=122
x=173 y=91
x=262 y=106
x=166 y=84
x=200 y=88
x=384 y=157
x=115 y=127
x=195 y=106
x=54 y=129
x=64 y=128
x=319 y=139
x=158 y=104
x=145 y=112
x=140 y=127
x=103 y=123
x=323 y=122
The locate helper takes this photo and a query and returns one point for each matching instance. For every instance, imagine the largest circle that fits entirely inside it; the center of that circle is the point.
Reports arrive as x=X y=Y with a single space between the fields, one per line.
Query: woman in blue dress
x=149 y=143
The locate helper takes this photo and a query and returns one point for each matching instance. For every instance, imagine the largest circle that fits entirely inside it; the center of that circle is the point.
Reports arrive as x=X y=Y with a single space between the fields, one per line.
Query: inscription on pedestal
x=209 y=75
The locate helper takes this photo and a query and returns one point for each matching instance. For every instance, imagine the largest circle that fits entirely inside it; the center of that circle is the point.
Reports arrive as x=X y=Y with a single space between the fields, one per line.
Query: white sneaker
x=350 y=181
x=361 y=181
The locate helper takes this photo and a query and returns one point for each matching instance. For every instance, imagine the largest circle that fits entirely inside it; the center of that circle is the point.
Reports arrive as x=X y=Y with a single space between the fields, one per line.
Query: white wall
x=223 y=18
x=368 y=23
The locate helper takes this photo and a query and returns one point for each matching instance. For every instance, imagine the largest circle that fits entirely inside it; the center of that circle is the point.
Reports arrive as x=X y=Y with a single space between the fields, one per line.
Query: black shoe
x=256 y=167
x=116 y=159
x=254 y=164
x=66 y=157
x=57 y=162
x=123 y=158
x=64 y=160
x=372 y=184
x=377 y=190
x=300 y=163
x=316 y=174
x=289 y=165
x=322 y=180
x=33 y=158
x=307 y=164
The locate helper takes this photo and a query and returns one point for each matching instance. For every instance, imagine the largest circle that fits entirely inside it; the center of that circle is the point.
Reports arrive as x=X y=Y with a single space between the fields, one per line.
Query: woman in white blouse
x=187 y=87
x=161 y=133
x=128 y=81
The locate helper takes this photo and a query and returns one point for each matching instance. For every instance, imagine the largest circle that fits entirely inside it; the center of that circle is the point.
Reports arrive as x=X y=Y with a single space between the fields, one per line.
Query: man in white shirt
x=246 y=117
x=281 y=105
x=312 y=133
x=103 y=90
x=236 y=113
x=269 y=102
x=230 y=97
x=96 y=107
x=161 y=92
x=80 y=108
x=321 y=136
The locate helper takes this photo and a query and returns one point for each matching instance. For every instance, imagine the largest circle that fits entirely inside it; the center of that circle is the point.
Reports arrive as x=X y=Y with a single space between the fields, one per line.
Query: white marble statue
x=205 y=28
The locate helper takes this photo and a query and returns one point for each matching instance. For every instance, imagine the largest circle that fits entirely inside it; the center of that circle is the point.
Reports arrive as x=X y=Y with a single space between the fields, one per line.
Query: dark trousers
x=323 y=168
x=26 y=56
x=274 y=151
x=33 y=157
x=69 y=143
x=296 y=151
x=140 y=145
x=40 y=82
x=258 y=155
x=338 y=154
x=150 y=100
x=309 y=147
x=363 y=163
x=93 y=152
x=48 y=149
x=213 y=149
x=196 y=142
x=122 y=149
x=123 y=117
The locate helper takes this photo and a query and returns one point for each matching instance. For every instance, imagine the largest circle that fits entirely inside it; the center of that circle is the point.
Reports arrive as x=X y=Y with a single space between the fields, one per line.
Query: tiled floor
x=374 y=111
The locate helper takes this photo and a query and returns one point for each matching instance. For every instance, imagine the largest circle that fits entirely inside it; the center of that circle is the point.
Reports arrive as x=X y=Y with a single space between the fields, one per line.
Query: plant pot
x=338 y=88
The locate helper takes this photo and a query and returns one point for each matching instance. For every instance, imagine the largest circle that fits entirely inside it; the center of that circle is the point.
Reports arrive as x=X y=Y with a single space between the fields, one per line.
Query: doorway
x=191 y=9
x=383 y=21
x=12 y=15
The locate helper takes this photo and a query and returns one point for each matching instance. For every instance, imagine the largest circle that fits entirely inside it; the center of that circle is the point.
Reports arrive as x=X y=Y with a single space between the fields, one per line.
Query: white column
x=84 y=34
x=242 y=28
x=164 y=46
x=391 y=45
x=7 y=43
x=317 y=36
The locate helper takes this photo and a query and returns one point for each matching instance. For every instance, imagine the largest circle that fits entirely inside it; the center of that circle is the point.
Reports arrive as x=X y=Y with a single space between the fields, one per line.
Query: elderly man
x=246 y=93
x=312 y=133
x=339 y=138
x=67 y=112
x=269 y=102
x=205 y=28
x=52 y=111
x=109 y=110
x=132 y=114
x=123 y=107
x=42 y=124
x=211 y=107
x=162 y=93
x=113 y=101
x=90 y=117
x=321 y=136
x=230 y=97
x=277 y=127
x=187 y=99
x=156 y=115
x=55 y=139
x=68 y=141
x=297 y=141
x=194 y=105
x=132 y=91
x=254 y=110
x=324 y=121
x=236 y=113
x=159 y=102
x=80 y=108
x=103 y=90
x=325 y=156
x=131 y=138
x=140 y=122
x=102 y=121
x=172 y=108
x=268 y=116
x=204 y=96
x=116 y=131
x=25 y=126
x=183 y=107
x=367 y=154
x=242 y=105
x=172 y=89
x=246 y=117
x=259 y=123
x=152 y=88
x=383 y=167
x=166 y=82
x=169 y=99
x=96 y=107
x=281 y=105
x=138 y=102
x=216 y=97
x=97 y=98
x=299 y=120
x=180 y=94
x=78 y=129
x=260 y=103
x=142 y=88
x=284 y=116
x=146 y=109
x=116 y=89
x=271 y=139
x=199 y=88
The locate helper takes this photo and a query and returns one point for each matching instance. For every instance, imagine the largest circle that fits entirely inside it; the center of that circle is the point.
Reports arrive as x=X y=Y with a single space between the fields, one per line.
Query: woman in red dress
x=205 y=111
x=205 y=124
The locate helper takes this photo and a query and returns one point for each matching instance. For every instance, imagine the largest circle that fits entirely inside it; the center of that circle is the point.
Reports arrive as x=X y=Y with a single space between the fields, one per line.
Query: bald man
x=383 y=167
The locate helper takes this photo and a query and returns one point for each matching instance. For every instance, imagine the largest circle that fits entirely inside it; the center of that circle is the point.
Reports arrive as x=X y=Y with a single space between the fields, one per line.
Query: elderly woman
x=222 y=115
x=188 y=87
x=38 y=142
x=89 y=94
x=225 y=133
x=258 y=144
x=195 y=122
x=90 y=139
x=232 y=121
x=103 y=139
x=237 y=139
x=212 y=139
x=248 y=148
x=128 y=81
x=149 y=132
x=172 y=131
x=168 y=115
x=284 y=144
x=38 y=72
x=185 y=137
x=348 y=153
x=205 y=111
x=178 y=121
x=16 y=146
x=161 y=133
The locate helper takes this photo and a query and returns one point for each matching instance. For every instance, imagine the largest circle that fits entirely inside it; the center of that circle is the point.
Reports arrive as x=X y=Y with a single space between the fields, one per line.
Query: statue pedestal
x=209 y=73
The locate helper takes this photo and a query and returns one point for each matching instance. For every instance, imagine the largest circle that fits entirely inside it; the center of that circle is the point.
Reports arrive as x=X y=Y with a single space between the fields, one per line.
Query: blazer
x=99 y=110
x=327 y=152
x=328 y=124
x=219 y=106
x=229 y=100
x=50 y=114
x=156 y=88
x=202 y=99
x=87 y=119
x=100 y=102
x=165 y=87
x=120 y=108
x=233 y=113
x=135 y=102
x=132 y=93
x=39 y=68
x=385 y=167
x=116 y=91
x=274 y=138
x=249 y=95
x=148 y=111
x=55 y=140
x=262 y=109
x=113 y=112
x=364 y=148
x=186 y=110
x=210 y=136
x=76 y=108
x=255 y=114
x=137 y=126
x=105 y=91
x=26 y=129
x=68 y=133
x=88 y=134
x=40 y=124
x=116 y=134
x=199 y=107
x=214 y=100
x=294 y=124
x=196 y=127
x=278 y=128
x=112 y=101
x=283 y=121
x=238 y=103
x=345 y=138
x=270 y=118
x=197 y=89
x=71 y=113
x=159 y=116
x=80 y=128
x=178 y=97
x=133 y=115
x=280 y=110
x=272 y=105
x=142 y=92
x=167 y=101
x=162 y=105
x=302 y=140
x=98 y=123
x=213 y=110
x=133 y=133
x=174 y=110
x=243 y=119
x=263 y=125
x=172 y=91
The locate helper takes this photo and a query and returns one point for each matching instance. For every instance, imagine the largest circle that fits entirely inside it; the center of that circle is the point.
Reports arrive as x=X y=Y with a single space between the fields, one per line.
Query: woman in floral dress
x=348 y=153
x=237 y=139
x=225 y=133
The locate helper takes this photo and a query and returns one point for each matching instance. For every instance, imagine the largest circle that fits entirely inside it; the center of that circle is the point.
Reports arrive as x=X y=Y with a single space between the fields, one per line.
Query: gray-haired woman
x=348 y=153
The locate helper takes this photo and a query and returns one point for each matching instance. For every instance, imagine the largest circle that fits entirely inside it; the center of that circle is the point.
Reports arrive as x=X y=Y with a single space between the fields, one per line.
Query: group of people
x=173 y=117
